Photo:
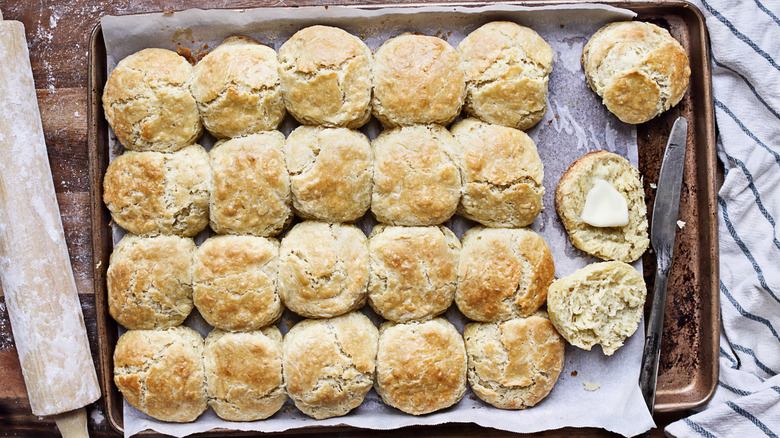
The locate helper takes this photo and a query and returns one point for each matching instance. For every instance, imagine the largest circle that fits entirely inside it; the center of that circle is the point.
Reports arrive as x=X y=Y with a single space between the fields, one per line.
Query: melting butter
x=605 y=206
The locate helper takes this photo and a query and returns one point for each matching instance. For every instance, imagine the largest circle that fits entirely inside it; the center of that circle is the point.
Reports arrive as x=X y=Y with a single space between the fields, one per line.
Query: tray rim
x=95 y=119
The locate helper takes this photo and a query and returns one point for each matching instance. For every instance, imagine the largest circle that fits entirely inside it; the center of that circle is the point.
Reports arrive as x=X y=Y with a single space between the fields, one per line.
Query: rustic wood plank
x=64 y=117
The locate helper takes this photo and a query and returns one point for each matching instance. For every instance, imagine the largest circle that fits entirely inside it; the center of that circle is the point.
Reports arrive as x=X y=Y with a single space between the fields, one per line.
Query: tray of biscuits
x=387 y=216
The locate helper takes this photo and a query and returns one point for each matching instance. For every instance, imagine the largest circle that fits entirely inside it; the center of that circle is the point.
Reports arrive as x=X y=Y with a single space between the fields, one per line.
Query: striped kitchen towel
x=745 y=38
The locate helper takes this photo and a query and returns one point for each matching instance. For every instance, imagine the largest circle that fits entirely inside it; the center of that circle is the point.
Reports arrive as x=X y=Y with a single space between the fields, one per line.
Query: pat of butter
x=605 y=206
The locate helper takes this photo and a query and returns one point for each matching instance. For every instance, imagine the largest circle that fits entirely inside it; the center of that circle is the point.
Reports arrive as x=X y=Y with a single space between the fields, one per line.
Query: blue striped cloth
x=745 y=37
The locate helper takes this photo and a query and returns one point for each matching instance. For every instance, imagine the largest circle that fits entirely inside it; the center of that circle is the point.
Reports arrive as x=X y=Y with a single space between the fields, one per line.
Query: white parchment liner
x=576 y=123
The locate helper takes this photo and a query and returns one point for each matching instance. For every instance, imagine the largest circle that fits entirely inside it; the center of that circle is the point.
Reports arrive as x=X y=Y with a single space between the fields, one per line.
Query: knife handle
x=649 y=372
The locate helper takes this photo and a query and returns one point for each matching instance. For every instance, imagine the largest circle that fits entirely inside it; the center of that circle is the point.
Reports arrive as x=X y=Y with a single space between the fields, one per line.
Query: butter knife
x=662 y=233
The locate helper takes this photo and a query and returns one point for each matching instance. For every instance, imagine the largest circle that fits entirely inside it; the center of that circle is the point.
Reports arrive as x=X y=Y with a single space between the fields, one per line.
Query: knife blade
x=663 y=230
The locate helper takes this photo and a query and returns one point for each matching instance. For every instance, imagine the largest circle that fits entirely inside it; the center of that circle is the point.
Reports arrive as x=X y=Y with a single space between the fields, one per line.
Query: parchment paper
x=576 y=123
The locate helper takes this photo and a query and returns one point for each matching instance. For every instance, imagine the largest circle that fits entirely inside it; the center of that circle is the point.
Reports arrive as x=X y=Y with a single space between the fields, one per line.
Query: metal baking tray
x=689 y=368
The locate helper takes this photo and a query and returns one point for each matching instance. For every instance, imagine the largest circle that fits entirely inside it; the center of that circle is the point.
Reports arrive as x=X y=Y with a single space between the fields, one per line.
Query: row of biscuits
x=413 y=175
x=327 y=367
x=322 y=270
x=155 y=100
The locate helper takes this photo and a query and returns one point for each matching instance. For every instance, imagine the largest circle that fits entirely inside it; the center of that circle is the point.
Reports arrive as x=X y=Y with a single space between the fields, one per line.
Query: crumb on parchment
x=589 y=386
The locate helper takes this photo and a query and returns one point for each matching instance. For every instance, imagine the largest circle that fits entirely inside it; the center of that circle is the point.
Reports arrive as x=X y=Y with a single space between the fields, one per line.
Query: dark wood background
x=57 y=37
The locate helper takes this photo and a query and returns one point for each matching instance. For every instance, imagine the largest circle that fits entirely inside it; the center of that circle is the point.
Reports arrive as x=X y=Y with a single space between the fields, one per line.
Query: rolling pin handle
x=73 y=424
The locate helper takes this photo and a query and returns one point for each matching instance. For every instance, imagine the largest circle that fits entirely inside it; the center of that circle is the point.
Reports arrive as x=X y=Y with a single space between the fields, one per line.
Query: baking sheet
x=575 y=124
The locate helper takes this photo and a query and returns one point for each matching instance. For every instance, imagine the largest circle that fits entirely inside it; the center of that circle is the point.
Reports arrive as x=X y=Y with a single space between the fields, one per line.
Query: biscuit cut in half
x=416 y=176
x=418 y=79
x=502 y=174
x=326 y=77
x=234 y=282
x=244 y=378
x=149 y=281
x=148 y=103
x=601 y=303
x=161 y=372
x=238 y=89
x=420 y=366
x=503 y=273
x=329 y=364
x=638 y=69
x=153 y=193
x=507 y=68
x=514 y=364
x=251 y=191
x=625 y=243
x=331 y=170
x=323 y=269
x=414 y=271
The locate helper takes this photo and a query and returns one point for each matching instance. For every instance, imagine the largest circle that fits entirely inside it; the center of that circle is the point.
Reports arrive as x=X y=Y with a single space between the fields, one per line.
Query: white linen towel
x=745 y=42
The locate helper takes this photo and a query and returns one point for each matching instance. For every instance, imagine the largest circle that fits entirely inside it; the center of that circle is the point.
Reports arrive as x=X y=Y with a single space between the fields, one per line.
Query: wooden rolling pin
x=35 y=272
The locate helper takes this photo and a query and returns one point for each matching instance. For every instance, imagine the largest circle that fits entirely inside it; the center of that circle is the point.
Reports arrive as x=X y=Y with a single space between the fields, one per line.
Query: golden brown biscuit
x=234 y=282
x=507 y=68
x=244 y=374
x=601 y=303
x=514 y=364
x=503 y=273
x=323 y=269
x=420 y=366
x=501 y=172
x=329 y=364
x=625 y=243
x=330 y=173
x=149 y=281
x=151 y=193
x=414 y=271
x=416 y=176
x=418 y=79
x=147 y=102
x=161 y=372
x=326 y=77
x=237 y=87
x=251 y=193
x=637 y=68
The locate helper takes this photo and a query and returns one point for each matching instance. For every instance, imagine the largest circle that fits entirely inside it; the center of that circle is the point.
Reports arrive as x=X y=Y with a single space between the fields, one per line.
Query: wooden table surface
x=57 y=37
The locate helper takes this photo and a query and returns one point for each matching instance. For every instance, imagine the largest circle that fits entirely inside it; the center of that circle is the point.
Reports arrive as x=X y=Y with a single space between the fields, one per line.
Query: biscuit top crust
x=417 y=79
x=147 y=102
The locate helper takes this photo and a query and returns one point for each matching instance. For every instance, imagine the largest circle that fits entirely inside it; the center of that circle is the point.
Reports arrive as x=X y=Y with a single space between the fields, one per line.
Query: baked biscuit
x=414 y=271
x=148 y=103
x=151 y=193
x=601 y=303
x=420 y=366
x=237 y=87
x=234 y=282
x=625 y=243
x=418 y=79
x=244 y=377
x=323 y=269
x=514 y=364
x=251 y=192
x=329 y=364
x=161 y=372
x=638 y=69
x=326 y=77
x=149 y=281
x=416 y=176
x=507 y=68
x=503 y=273
x=501 y=172
x=330 y=173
